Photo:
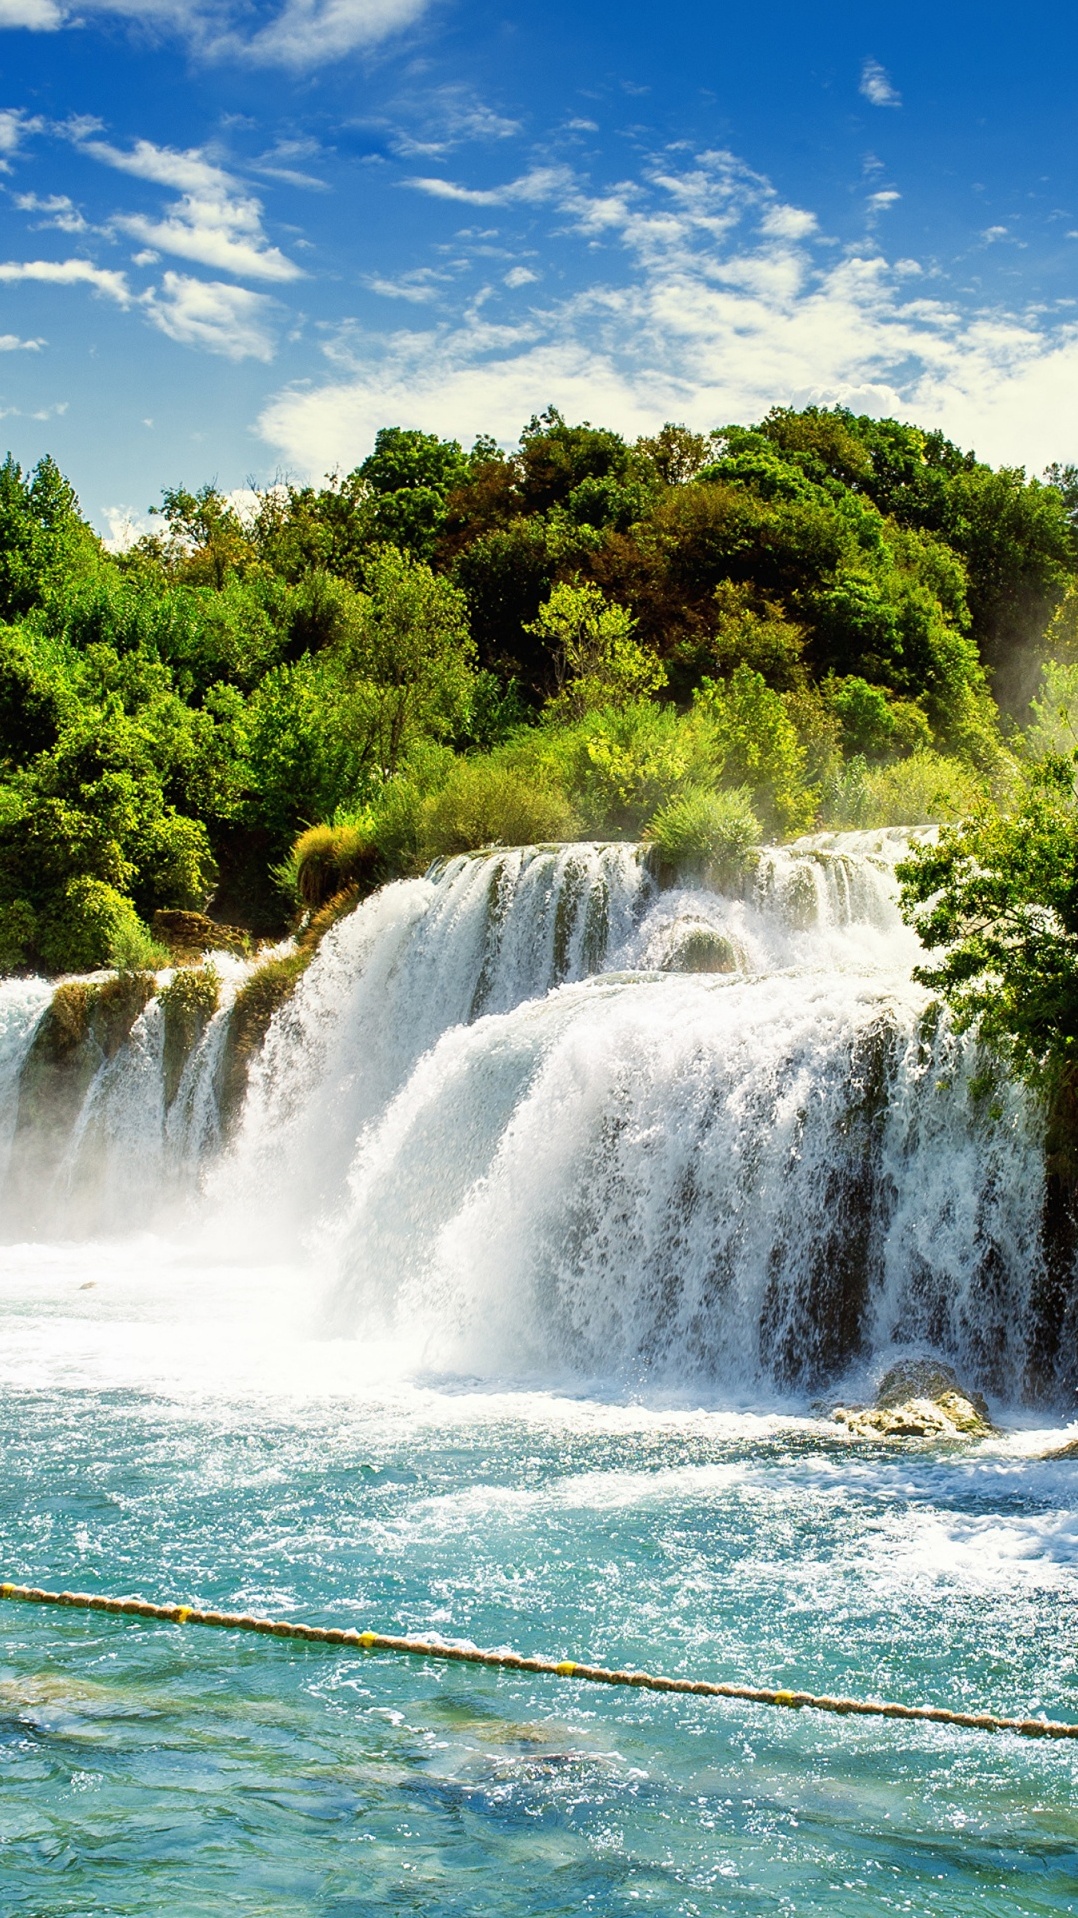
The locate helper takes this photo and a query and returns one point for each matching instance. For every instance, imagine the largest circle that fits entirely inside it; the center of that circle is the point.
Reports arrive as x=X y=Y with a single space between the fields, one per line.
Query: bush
x=927 y=789
x=92 y=925
x=18 y=935
x=487 y=804
x=326 y=860
x=712 y=831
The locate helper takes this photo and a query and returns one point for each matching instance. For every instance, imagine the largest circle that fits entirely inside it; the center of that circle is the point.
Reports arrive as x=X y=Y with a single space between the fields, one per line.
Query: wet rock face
x=703 y=949
x=919 y=1399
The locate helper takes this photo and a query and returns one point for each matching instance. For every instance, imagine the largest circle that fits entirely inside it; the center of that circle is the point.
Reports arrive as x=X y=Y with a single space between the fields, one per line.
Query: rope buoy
x=555 y=1668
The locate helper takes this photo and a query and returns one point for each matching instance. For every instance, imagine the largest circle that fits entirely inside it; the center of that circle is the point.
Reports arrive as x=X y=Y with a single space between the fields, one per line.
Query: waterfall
x=535 y=1115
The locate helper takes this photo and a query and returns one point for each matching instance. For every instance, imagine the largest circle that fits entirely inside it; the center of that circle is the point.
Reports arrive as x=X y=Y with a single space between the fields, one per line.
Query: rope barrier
x=555 y=1668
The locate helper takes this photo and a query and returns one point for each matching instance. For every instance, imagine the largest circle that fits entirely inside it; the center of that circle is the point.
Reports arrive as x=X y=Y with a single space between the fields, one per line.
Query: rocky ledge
x=919 y=1399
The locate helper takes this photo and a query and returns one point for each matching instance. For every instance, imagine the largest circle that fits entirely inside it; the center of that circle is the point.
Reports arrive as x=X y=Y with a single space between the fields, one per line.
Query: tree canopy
x=822 y=613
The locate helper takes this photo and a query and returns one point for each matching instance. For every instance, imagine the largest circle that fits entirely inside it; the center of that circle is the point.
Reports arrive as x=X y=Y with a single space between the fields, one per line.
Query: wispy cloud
x=56 y=211
x=216 y=222
x=530 y=189
x=39 y=16
x=303 y=34
x=14 y=127
x=229 y=320
x=280 y=163
x=714 y=301
x=210 y=314
x=69 y=273
x=876 y=86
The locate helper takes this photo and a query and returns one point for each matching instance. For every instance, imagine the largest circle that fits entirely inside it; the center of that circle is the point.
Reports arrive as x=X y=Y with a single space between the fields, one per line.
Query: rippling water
x=188 y=1431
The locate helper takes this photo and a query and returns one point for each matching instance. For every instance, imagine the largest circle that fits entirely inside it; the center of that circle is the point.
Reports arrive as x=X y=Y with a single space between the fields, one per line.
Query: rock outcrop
x=919 y=1399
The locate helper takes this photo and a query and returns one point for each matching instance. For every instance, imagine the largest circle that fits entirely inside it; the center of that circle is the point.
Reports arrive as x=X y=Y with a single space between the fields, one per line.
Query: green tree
x=997 y=897
x=597 y=662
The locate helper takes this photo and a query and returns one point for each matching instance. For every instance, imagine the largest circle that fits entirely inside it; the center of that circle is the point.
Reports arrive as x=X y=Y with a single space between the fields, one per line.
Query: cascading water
x=535 y=1115
x=494 y=1308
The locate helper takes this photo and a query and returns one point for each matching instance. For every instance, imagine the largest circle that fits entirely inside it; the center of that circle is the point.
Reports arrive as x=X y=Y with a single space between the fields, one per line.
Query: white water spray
x=522 y=1138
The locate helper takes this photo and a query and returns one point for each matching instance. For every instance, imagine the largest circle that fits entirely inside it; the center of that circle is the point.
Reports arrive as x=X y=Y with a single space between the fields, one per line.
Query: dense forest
x=822 y=620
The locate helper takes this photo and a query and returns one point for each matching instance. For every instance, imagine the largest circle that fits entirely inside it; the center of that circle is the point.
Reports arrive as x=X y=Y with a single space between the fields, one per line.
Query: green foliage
x=597 y=662
x=441 y=649
x=484 y=803
x=43 y=538
x=998 y=897
x=1053 y=724
x=89 y=924
x=714 y=831
x=759 y=747
x=926 y=789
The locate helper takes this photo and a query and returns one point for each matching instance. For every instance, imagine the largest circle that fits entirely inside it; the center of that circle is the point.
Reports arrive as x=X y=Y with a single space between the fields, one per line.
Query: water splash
x=533 y=1115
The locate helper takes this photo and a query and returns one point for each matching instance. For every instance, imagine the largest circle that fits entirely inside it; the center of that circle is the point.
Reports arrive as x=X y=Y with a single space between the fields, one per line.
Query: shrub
x=326 y=860
x=487 y=804
x=89 y=925
x=712 y=831
x=927 y=789
x=18 y=935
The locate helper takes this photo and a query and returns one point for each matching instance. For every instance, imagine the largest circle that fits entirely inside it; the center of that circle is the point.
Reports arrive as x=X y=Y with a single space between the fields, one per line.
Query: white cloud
x=419 y=287
x=520 y=276
x=876 y=86
x=881 y=201
x=14 y=126
x=40 y=16
x=531 y=189
x=712 y=305
x=11 y=343
x=70 y=273
x=789 y=223
x=308 y=33
x=303 y=34
x=230 y=320
x=216 y=222
x=125 y=525
x=59 y=211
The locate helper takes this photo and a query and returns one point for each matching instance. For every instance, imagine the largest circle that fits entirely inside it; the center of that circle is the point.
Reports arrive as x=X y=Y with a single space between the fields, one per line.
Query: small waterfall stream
x=536 y=1116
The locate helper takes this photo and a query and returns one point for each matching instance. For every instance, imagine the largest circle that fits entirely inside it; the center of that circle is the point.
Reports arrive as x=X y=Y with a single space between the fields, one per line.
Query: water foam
x=521 y=1140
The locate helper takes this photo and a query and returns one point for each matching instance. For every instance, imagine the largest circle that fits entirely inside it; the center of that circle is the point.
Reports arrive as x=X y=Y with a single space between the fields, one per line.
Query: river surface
x=511 y=1309
x=186 y=1432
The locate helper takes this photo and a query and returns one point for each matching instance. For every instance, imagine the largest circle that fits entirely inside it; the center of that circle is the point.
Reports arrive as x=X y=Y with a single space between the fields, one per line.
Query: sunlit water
x=504 y=1315
x=179 y=1432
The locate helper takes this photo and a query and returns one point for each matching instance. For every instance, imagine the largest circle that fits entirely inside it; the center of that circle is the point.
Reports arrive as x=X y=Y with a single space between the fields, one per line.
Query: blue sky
x=237 y=238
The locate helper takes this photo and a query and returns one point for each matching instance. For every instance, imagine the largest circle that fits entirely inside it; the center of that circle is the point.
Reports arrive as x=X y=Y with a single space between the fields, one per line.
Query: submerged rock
x=919 y=1399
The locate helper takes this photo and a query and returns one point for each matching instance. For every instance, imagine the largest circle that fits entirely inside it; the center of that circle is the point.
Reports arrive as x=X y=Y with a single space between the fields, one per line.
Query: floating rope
x=555 y=1668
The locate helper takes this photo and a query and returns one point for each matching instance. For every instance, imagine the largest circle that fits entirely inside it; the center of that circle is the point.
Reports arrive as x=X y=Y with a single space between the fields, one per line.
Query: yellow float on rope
x=514 y=1662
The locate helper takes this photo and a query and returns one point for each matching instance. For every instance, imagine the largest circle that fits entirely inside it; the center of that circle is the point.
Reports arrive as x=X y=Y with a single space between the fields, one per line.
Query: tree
x=998 y=896
x=411 y=657
x=43 y=537
x=207 y=539
x=597 y=662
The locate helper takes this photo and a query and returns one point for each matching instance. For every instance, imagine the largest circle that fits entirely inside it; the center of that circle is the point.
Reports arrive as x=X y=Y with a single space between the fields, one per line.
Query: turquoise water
x=185 y=1432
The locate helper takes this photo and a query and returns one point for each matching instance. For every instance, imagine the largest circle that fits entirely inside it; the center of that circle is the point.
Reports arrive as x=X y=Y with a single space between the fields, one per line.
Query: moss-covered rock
x=703 y=949
x=188 y=1002
x=919 y=1399
x=85 y=1024
x=188 y=935
x=267 y=989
